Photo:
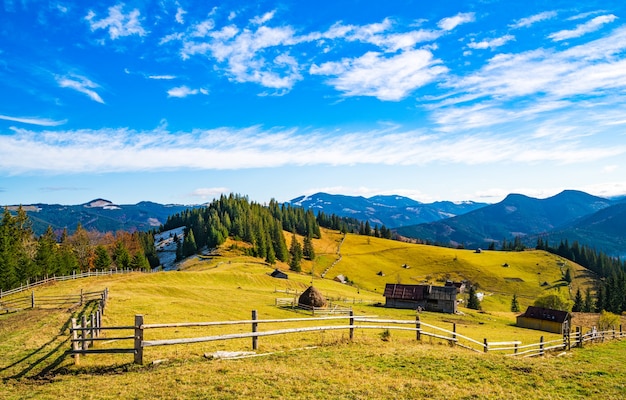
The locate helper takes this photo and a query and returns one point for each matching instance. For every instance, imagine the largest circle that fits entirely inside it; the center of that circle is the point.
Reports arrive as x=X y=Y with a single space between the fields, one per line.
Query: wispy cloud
x=124 y=150
x=582 y=29
x=33 y=120
x=162 y=77
x=526 y=22
x=184 y=91
x=209 y=193
x=491 y=43
x=386 y=78
x=260 y=20
x=117 y=23
x=80 y=84
x=180 y=15
x=449 y=23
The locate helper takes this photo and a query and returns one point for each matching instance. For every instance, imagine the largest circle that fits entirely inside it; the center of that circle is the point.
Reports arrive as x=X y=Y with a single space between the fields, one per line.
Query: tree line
x=26 y=258
x=611 y=287
x=237 y=217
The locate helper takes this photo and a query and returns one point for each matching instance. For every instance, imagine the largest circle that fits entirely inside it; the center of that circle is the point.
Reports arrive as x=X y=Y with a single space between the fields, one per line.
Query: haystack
x=312 y=297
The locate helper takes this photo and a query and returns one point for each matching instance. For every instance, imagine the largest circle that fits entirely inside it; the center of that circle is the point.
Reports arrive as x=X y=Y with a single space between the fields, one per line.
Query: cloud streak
x=124 y=150
x=80 y=84
x=33 y=120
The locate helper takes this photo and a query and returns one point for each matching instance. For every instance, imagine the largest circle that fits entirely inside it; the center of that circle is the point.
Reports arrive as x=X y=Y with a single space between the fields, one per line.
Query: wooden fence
x=352 y=323
x=330 y=309
x=15 y=304
x=29 y=286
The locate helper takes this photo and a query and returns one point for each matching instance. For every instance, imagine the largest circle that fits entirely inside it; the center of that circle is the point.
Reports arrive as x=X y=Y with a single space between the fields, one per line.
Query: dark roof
x=278 y=274
x=546 y=314
x=405 y=292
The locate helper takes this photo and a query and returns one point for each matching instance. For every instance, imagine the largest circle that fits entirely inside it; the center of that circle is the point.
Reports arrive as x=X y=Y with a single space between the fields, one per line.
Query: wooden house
x=279 y=274
x=427 y=297
x=545 y=319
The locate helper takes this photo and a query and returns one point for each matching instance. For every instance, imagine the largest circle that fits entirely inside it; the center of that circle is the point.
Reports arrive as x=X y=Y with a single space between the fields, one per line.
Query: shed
x=341 y=279
x=545 y=319
x=279 y=274
x=428 y=297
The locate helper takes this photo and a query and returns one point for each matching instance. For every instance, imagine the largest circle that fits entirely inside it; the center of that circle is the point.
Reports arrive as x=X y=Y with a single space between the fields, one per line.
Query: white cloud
x=209 y=193
x=392 y=78
x=260 y=20
x=609 y=169
x=491 y=43
x=80 y=84
x=33 y=120
x=203 y=28
x=526 y=22
x=449 y=23
x=125 y=150
x=582 y=29
x=162 y=77
x=117 y=23
x=180 y=15
x=184 y=91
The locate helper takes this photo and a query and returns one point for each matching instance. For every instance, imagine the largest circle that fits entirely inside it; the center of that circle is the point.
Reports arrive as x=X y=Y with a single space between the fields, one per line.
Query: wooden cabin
x=545 y=319
x=427 y=297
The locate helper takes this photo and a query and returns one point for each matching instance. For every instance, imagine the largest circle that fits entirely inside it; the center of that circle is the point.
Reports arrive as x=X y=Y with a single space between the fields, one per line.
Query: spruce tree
x=578 y=301
x=588 y=303
x=307 y=250
x=472 y=301
x=514 y=304
x=295 y=255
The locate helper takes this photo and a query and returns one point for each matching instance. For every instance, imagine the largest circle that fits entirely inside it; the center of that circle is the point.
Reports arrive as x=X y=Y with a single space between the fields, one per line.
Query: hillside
x=228 y=285
x=391 y=211
x=516 y=215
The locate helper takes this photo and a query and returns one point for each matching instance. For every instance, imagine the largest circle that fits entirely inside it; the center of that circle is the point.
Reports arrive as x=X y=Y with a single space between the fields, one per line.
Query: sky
x=180 y=101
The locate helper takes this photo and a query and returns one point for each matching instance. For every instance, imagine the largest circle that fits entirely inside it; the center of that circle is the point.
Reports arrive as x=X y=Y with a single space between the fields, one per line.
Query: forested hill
x=236 y=216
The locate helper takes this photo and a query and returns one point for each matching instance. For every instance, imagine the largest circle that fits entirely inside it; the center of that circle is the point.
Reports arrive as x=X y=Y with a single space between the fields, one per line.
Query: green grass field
x=316 y=364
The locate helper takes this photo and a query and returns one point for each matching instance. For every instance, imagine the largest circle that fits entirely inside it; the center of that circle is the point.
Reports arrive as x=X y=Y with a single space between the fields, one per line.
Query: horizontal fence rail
x=15 y=304
x=514 y=348
x=29 y=286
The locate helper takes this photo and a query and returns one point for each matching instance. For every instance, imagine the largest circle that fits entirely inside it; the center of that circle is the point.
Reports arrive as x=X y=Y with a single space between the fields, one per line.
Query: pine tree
x=472 y=301
x=578 y=301
x=295 y=255
x=514 y=304
x=307 y=250
x=588 y=304
x=102 y=260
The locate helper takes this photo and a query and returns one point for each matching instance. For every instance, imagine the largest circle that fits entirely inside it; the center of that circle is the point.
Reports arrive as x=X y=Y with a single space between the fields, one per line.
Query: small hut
x=312 y=298
x=279 y=274
x=341 y=279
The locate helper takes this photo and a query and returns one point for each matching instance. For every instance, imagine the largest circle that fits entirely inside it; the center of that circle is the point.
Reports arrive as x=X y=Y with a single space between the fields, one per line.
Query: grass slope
x=228 y=285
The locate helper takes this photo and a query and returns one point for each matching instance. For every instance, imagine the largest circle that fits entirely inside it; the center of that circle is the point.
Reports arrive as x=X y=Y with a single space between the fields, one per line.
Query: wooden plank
x=241 y=322
x=103 y=351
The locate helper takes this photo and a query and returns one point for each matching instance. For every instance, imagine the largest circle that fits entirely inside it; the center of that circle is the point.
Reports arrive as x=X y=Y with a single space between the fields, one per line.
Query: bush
x=607 y=321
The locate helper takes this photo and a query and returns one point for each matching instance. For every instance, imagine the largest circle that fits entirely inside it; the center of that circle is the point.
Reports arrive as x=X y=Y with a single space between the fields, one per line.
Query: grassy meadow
x=227 y=285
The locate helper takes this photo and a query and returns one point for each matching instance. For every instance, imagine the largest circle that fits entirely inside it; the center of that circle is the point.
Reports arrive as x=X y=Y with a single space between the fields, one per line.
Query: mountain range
x=99 y=214
x=594 y=221
x=391 y=211
x=573 y=215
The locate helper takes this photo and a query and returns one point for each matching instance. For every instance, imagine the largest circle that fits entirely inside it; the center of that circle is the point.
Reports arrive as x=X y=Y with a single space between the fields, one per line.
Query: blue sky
x=179 y=101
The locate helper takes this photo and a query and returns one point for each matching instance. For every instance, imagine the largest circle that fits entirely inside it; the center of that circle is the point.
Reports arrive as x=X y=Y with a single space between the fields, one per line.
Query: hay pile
x=312 y=298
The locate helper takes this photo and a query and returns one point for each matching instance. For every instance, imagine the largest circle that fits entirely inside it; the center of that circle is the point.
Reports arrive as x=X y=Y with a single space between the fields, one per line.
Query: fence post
x=515 y=350
x=255 y=339
x=83 y=336
x=541 y=346
x=620 y=330
x=82 y=298
x=453 y=333
x=32 y=299
x=75 y=348
x=418 y=328
x=351 y=324
x=486 y=345
x=579 y=329
x=93 y=329
x=98 y=322
x=138 y=339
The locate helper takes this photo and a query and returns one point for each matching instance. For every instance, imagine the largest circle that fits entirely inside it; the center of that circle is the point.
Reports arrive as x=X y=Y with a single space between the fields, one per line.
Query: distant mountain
x=101 y=215
x=516 y=215
x=391 y=211
x=605 y=229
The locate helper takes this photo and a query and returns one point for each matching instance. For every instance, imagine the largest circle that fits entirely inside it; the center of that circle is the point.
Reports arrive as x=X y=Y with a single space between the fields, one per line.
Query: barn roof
x=546 y=314
x=405 y=292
